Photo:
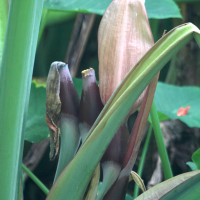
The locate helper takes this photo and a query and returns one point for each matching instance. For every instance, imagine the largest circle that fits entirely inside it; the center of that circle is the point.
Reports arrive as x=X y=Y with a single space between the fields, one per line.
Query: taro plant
x=92 y=131
x=108 y=139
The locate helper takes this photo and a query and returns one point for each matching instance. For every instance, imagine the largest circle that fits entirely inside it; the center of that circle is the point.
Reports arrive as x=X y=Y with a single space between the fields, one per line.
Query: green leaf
x=196 y=158
x=192 y=166
x=181 y=187
x=169 y=98
x=155 y=8
x=55 y=16
x=73 y=182
x=36 y=127
x=162 y=9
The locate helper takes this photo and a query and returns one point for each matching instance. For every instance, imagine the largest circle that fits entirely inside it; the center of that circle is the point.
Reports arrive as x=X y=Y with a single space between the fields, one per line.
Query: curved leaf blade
x=178 y=187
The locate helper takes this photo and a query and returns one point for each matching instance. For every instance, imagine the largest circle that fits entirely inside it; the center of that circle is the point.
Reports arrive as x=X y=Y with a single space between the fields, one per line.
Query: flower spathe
x=124 y=37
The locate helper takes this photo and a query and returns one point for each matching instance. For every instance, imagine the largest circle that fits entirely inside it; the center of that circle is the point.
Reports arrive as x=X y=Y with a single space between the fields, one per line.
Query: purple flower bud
x=91 y=104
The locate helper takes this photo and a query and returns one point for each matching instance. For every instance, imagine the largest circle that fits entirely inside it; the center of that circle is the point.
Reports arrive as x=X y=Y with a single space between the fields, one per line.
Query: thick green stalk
x=35 y=179
x=15 y=79
x=142 y=160
x=160 y=143
x=3 y=21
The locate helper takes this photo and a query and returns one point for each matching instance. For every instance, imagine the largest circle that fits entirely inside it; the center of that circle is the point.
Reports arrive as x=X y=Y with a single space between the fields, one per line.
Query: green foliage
x=3 y=22
x=169 y=98
x=161 y=116
x=36 y=127
x=155 y=8
x=182 y=187
x=162 y=9
x=196 y=158
x=15 y=80
x=192 y=166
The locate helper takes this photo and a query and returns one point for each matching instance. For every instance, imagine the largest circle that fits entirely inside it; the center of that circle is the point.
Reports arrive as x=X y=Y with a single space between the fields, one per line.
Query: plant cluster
x=90 y=133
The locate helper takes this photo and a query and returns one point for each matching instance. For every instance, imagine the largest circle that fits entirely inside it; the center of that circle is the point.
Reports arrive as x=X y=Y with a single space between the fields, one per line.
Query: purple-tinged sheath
x=91 y=105
x=68 y=98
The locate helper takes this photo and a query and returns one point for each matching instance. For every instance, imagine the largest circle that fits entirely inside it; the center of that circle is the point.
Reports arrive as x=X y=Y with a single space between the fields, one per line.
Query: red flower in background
x=183 y=111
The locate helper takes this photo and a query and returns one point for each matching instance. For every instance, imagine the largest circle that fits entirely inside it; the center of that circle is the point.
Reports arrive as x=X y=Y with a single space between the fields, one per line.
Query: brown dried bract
x=53 y=108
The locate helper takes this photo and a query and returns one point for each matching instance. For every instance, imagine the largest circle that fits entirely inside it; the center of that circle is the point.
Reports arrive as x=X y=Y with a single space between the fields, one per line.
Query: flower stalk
x=15 y=80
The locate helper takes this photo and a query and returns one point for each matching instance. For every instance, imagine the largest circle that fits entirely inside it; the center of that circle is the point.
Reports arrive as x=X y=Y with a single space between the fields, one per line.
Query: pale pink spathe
x=124 y=37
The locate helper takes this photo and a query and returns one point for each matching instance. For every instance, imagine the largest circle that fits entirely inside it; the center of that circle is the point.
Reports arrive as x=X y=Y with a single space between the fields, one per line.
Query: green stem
x=36 y=180
x=160 y=143
x=15 y=80
x=142 y=160
x=3 y=21
x=21 y=186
